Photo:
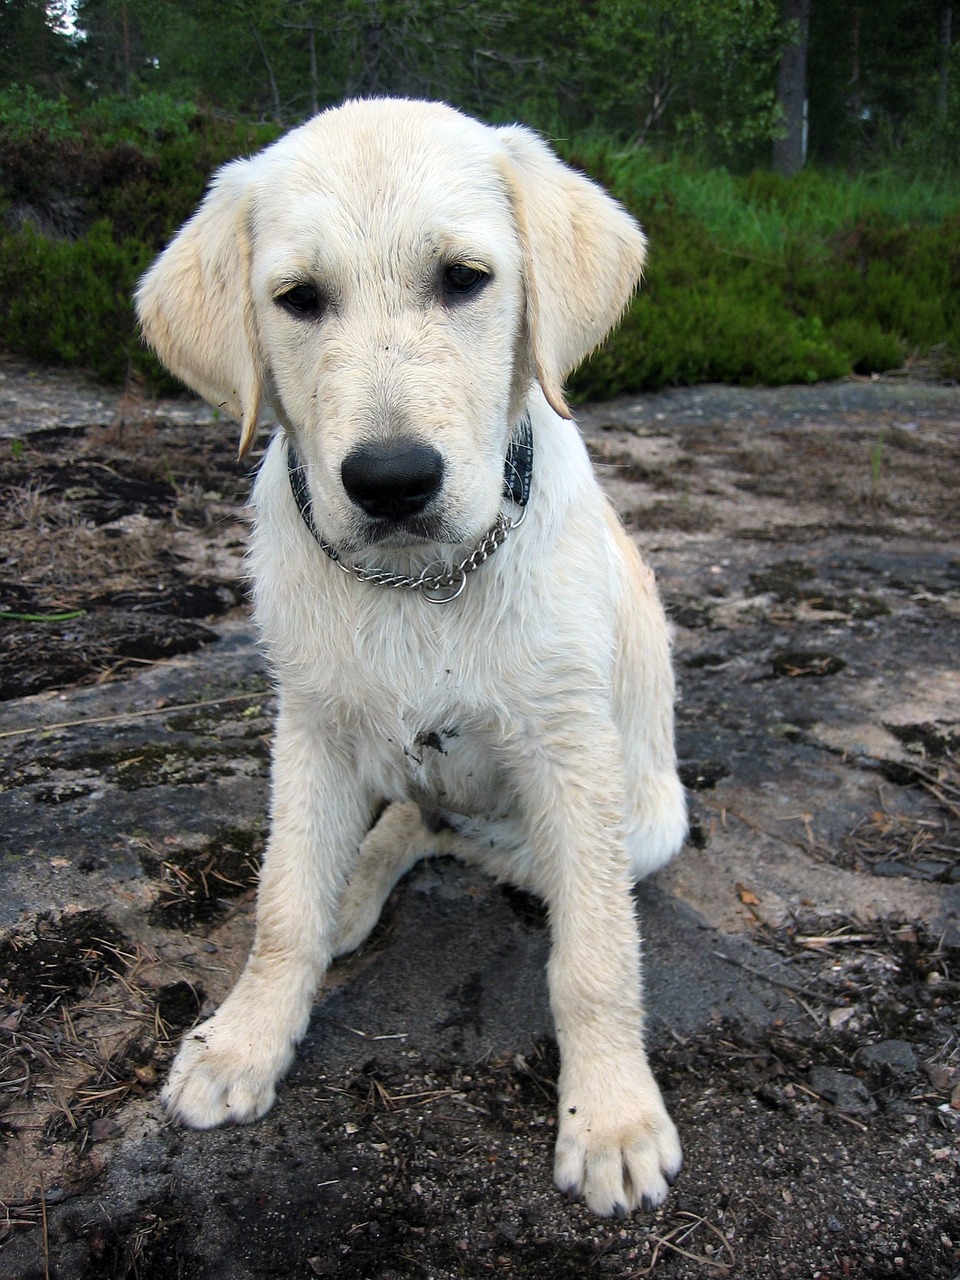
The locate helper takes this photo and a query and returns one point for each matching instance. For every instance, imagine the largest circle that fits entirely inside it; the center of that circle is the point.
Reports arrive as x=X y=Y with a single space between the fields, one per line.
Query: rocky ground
x=802 y=961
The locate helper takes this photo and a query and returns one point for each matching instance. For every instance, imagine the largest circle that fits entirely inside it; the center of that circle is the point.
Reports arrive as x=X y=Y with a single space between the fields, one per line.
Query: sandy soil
x=802 y=962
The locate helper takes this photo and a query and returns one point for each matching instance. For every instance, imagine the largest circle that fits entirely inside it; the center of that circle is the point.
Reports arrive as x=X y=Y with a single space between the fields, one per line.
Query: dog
x=470 y=654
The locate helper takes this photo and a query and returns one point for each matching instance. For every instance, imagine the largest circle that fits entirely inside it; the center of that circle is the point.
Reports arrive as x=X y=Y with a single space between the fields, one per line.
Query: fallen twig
x=136 y=715
x=680 y=1232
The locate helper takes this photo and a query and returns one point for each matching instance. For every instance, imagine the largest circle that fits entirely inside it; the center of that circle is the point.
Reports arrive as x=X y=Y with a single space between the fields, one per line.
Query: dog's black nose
x=394 y=479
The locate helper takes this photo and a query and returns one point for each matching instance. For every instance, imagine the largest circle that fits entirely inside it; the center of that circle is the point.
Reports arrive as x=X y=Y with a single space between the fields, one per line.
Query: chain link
x=437 y=588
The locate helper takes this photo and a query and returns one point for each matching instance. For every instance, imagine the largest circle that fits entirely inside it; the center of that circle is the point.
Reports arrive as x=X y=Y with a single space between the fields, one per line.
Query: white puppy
x=406 y=289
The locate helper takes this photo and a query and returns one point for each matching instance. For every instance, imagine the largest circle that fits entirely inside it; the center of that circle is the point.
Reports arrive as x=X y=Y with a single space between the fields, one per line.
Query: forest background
x=796 y=163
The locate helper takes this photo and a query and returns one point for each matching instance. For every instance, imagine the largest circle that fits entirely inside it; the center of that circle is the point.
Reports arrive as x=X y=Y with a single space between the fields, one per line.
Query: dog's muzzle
x=396 y=482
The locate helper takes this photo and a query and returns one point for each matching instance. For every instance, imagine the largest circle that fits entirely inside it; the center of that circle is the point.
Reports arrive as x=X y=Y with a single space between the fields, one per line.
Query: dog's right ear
x=195 y=305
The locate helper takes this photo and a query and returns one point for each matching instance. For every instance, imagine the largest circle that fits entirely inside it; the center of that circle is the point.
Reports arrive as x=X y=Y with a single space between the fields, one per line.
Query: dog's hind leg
x=398 y=841
x=406 y=834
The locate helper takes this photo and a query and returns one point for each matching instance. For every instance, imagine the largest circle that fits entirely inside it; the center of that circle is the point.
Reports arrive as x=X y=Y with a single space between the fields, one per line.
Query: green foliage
x=91 y=196
x=764 y=279
x=146 y=120
x=141 y=163
x=701 y=72
x=69 y=302
x=25 y=113
x=706 y=314
x=752 y=279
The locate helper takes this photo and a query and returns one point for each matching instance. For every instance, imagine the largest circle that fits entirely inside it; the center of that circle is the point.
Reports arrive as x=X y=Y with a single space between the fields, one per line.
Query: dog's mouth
x=443 y=579
x=415 y=531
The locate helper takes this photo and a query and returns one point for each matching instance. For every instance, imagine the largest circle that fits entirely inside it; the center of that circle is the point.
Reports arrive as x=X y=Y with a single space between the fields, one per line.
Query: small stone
x=845 y=1092
x=896 y=1055
x=508 y=1231
x=942 y=1078
x=104 y=1129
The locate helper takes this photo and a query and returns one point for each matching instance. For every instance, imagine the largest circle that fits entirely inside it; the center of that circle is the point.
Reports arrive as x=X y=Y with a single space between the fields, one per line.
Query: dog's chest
x=441 y=763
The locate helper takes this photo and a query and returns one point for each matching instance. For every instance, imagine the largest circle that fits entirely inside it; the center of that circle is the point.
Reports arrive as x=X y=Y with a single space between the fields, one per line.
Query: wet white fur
x=536 y=711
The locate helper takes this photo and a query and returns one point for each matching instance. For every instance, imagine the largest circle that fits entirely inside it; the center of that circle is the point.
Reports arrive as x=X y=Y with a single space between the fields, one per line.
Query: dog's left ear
x=195 y=305
x=583 y=257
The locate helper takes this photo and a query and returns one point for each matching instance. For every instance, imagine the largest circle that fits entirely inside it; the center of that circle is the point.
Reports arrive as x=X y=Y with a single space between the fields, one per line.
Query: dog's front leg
x=228 y=1067
x=616 y=1144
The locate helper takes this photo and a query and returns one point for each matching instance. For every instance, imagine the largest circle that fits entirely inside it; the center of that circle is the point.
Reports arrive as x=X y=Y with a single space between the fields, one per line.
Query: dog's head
x=391 y=277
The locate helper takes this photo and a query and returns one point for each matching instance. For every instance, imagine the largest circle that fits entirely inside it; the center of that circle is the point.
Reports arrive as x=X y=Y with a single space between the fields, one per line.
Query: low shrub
x=756 y=279
x=69 y=302
x=768 y=280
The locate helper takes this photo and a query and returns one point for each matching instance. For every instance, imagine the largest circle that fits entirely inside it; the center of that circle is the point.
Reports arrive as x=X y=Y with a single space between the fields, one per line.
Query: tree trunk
x=946 y=35
x=314 y=89
x=126 y=49
x=274 y=88
x=790 y=151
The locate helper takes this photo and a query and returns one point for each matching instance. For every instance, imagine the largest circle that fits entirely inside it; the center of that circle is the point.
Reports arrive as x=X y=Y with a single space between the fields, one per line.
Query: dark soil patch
x=787 y=580
x=689 y=612
x=178 y=1006
x=797 y=663
x=196 y=886
x=153 y=1244
x=921 y=840
x=95 y=490
x=105 y=550
x=66 y=958
x=103 y=642
x=702 y=775
x=793 y=582
x=182 y=598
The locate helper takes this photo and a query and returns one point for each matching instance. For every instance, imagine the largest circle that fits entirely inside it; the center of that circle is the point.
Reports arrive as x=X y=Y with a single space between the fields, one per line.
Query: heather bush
x=752 y=279
x=69 y=301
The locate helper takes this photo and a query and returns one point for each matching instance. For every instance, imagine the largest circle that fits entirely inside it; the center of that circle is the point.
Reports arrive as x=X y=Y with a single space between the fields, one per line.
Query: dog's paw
x=619 y=1152
x=220 y=1077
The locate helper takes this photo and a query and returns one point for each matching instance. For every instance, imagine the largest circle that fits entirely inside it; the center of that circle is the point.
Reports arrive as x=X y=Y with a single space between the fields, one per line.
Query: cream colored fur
x=547 y=684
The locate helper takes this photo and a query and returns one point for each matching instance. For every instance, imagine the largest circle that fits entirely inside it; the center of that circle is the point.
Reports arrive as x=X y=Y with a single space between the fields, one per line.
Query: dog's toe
x=619 y=1164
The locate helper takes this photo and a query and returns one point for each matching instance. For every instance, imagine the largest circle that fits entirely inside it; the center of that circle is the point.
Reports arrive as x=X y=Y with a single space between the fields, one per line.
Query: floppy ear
x=583 y=257
x=195 y=304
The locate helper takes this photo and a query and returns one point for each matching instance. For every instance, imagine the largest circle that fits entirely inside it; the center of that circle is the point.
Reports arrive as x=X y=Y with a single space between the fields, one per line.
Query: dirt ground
x=802 y=955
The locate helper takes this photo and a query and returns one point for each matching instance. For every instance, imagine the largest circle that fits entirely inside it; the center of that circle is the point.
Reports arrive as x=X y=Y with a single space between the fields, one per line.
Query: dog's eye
x=460 y=279
x=301 y=300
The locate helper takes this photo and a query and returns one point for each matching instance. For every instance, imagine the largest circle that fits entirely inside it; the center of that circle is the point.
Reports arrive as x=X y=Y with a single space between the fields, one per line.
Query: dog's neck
x=447 y=584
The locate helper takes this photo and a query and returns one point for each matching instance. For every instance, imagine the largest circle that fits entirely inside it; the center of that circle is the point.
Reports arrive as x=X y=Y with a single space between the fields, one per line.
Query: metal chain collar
x=445 y=585
x=438 y=588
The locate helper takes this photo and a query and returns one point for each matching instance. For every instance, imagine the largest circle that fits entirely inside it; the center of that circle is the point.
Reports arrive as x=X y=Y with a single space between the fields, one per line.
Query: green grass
x=760 y=279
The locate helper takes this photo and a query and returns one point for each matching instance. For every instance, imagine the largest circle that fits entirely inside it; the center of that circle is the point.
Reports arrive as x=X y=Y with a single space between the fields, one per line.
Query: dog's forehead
x=384 y=166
